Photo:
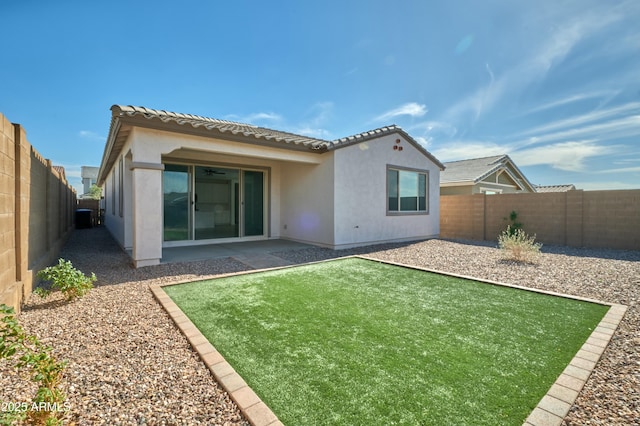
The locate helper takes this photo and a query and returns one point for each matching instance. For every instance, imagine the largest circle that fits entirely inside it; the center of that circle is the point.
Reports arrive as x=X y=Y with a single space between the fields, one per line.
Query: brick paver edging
x=550 y=411
x=250 y=404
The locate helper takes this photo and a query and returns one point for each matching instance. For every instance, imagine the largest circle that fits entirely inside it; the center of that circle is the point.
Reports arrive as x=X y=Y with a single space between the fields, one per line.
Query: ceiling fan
x=210 y=172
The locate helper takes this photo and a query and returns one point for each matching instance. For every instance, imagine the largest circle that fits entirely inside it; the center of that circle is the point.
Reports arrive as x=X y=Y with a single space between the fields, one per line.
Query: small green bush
x=518 y=245
x=48 y=406
x=515 y=225
x=64 y=277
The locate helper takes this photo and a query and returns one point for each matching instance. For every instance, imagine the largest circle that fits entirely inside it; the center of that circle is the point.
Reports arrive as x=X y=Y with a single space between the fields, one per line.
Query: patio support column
x=147 y=213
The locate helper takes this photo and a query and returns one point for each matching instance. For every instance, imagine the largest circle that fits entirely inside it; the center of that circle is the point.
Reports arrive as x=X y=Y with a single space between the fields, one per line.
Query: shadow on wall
x=37 y=210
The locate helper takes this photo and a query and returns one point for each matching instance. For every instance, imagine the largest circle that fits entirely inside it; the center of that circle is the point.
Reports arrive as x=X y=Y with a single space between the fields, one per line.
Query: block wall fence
x=598 y=219
x=37 y=207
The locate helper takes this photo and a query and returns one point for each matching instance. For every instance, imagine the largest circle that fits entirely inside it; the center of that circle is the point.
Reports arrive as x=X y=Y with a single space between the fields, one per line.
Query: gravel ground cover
x=128 y=364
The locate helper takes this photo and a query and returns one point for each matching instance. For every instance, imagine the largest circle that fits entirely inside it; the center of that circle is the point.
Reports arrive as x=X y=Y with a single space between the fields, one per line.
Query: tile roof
x=555 y=188
x=222 y=126
x=472 y=170
x=476 y=169
x=125 y=116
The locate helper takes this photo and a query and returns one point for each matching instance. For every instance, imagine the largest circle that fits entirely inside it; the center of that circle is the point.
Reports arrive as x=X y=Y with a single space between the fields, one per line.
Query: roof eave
x=108 y=149
x=384 y=131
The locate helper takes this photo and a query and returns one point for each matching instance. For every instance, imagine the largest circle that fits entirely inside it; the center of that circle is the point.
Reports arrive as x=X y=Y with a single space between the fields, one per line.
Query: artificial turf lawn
x=354 y=341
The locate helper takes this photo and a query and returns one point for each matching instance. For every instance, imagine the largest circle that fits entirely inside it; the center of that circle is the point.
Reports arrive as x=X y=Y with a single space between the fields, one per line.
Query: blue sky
x=554 y=84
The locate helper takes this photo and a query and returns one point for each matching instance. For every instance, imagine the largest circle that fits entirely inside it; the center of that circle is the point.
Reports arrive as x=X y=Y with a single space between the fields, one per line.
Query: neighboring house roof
x=124 y=117
x=555 y=188
x=475 y=170
x=60 y=171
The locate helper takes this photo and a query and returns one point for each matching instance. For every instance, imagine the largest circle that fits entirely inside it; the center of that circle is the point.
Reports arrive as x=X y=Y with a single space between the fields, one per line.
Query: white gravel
x=128 y=364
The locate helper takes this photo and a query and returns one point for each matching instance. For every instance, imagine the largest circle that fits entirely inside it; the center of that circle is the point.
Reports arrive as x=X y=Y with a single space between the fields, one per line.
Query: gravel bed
x=128 y=363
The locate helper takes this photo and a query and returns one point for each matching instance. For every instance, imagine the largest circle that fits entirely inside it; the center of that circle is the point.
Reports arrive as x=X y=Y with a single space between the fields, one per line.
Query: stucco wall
x=361 y=193
x=152 y=147
x=307 y=202
x=111 y=192
x=335 y=199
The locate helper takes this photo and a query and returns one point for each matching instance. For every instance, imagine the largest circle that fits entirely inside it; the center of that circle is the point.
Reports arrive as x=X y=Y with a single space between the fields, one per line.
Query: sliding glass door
x=209 y=202
x=253 y=202
x=176 y=193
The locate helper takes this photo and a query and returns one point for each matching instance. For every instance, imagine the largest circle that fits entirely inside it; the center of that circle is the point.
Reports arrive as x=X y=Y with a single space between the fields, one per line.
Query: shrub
x=515 y=225
x=48 y=406
x=518 y=245
x=64 y=277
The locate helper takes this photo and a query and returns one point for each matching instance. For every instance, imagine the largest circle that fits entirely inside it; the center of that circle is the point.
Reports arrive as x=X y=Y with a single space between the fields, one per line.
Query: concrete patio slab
x=256 y=254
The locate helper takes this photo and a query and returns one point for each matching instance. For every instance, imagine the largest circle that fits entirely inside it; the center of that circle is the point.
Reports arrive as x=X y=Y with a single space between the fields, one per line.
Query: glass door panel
x=177 y=206
x=216 y=202
x=202 y=203
x=253 y=206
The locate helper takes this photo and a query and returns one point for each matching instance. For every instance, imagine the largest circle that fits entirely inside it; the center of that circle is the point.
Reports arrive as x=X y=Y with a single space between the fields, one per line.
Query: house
x=488 y=175
x=555 y=188
x=89 y=178
x=172 y=179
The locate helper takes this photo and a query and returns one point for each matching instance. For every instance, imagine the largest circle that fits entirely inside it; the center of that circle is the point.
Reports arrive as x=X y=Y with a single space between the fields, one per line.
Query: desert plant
x=514 y=225
x=48 y=406
x=64 y=277
x=518 y=245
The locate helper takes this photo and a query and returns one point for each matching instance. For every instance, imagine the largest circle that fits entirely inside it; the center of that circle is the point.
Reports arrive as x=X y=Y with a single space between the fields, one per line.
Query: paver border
x=550 y=411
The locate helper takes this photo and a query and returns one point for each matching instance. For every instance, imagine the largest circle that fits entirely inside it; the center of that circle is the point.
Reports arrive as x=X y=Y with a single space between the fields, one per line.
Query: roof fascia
x=107 y=154
x=458 y=183
x=523 y=178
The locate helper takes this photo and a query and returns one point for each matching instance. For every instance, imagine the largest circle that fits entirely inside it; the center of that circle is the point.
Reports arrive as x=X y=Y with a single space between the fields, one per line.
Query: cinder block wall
x=9 y=288
x=36 y=213
x=611 y=219
x=602 y=219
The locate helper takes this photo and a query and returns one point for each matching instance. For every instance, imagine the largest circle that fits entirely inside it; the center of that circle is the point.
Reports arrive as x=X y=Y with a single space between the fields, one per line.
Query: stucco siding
x=112 y=219
x=361 y=193
x=307 y=202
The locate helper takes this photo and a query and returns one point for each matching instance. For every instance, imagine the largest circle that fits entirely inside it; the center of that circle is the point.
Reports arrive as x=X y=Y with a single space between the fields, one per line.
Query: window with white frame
x=407 y=191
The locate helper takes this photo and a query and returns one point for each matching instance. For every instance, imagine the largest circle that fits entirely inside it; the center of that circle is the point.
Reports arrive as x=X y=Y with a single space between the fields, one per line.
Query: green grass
x=357 y=342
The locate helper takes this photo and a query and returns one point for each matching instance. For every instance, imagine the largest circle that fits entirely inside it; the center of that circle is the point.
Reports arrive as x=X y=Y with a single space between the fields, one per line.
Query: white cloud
x=567 y=156
x=412 y=109
x=549 y=52
x=433 y=129
x=261 y=116
x=315 y=118
x=422 y=141
x=468 y=149
x=621 y=170
x=623 y=127
x=319 y=113
x=603 y=185
x=253 y=118
x=607 y=94
x=312 y=132
x=573 y=122
x=87 y=134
